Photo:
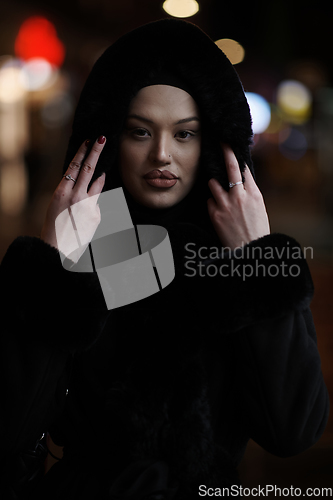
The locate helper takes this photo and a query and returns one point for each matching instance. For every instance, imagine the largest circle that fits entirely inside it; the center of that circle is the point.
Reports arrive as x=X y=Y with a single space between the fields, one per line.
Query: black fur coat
x=164 y=393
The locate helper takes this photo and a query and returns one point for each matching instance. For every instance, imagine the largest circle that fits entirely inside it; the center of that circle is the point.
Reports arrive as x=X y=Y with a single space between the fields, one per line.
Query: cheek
x=192 y=160
x=129 y=159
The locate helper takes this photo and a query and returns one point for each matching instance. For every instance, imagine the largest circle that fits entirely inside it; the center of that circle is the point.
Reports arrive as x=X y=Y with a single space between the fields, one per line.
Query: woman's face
x=160 y=146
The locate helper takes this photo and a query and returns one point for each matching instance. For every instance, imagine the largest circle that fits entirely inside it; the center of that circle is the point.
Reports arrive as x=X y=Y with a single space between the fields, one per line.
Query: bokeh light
x=14 y=130
x=294 y=100
x=181 y=8
x=260 y=112
x=37 y=37
x=232 y=49
x=11 y=84
x=37 y=74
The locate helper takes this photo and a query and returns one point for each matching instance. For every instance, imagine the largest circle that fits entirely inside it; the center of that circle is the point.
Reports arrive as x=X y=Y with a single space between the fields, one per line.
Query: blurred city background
x=283 y=54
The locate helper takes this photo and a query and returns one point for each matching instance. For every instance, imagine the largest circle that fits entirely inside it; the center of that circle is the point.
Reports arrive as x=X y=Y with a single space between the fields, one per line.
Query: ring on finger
x=69 y=178
x=233 y=184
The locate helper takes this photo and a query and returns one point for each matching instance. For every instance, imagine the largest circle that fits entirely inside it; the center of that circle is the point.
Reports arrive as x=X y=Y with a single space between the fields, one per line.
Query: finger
x=211 y=205
x=249 y=182
x=74 y=167
x=97 y=185
x=88 y=168
x=219 y=194
x=232 y=166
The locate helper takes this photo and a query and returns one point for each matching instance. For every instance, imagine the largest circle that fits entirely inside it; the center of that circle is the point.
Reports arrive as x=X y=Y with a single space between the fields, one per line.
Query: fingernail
x=101 y=139
x=87 y=142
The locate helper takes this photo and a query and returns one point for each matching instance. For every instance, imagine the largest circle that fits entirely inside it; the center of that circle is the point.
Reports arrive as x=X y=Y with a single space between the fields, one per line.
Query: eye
x=185 y=134
x=140 y=132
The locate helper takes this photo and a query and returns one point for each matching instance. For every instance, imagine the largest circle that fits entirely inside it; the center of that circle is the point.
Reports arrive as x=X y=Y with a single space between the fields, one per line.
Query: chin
x=159 y=202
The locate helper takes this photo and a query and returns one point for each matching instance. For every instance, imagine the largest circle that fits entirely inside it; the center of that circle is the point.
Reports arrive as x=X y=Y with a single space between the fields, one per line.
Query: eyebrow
x=184 y=120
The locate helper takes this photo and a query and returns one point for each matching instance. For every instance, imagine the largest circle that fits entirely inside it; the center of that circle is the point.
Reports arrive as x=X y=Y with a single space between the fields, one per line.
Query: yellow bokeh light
x=232 y=49
x=294 y=100
x=181 y=8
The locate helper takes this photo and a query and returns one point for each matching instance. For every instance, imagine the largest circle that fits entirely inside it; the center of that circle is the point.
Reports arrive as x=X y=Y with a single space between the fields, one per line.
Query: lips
x=160 y=174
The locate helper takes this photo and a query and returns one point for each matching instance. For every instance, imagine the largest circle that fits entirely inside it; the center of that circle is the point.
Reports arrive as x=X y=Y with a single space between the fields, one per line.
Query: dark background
x=282 y=40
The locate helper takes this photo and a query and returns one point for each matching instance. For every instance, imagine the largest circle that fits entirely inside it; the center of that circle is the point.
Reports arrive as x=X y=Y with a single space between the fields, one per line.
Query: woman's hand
x=69 y=193
x=238 y=216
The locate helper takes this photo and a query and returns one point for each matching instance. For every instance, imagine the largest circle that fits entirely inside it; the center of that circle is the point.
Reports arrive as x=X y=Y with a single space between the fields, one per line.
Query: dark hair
x=167 y=45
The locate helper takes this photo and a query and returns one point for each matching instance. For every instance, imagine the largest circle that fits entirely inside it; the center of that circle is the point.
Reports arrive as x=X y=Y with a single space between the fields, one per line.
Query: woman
x=164 y=393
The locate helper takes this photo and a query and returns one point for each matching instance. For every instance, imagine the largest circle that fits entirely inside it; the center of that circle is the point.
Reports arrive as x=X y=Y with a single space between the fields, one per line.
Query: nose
x=160 y=152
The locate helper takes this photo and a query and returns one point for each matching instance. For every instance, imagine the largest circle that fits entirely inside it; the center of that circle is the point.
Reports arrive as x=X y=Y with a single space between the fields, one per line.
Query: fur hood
x=181 y=48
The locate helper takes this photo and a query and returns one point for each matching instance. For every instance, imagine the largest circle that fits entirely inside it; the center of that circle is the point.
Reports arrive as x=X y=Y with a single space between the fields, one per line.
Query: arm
x=283 y=396
x=48 y=314
x=280 y=391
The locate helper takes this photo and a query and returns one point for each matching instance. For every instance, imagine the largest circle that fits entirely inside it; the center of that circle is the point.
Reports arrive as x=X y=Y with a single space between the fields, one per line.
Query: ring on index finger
x=69 y=178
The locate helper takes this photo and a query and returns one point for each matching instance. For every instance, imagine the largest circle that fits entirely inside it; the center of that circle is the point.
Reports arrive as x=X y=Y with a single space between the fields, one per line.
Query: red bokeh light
x=37 y=37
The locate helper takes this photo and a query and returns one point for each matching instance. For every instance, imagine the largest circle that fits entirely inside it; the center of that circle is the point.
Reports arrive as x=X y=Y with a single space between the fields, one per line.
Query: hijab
x=170 y=52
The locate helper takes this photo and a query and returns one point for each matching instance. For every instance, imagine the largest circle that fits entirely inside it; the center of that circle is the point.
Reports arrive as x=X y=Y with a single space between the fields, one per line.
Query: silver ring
x=69 y=178
x=232 y=184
